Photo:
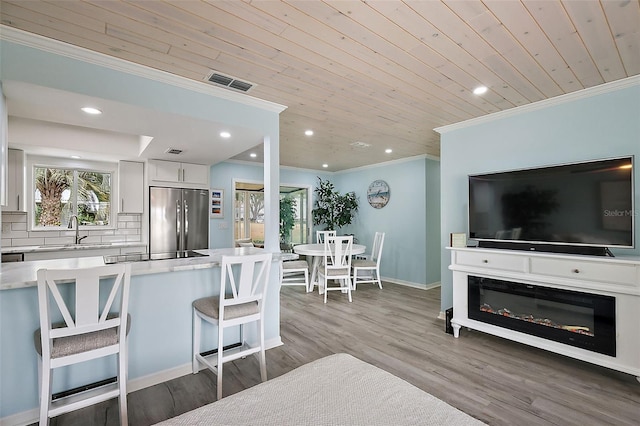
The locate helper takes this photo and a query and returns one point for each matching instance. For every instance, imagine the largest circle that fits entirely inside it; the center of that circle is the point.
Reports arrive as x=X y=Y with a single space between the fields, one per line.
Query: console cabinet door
x=15 y=181
x=131 y=186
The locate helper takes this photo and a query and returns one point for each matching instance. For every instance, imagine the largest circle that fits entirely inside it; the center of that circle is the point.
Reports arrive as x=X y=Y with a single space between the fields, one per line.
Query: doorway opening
x=248 y=212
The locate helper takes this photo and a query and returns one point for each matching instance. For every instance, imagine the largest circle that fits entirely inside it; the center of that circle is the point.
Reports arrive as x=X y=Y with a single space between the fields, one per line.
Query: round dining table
x=315 y=253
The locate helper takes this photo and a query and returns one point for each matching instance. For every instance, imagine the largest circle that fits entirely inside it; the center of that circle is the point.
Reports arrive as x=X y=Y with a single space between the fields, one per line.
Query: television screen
x=589 y=203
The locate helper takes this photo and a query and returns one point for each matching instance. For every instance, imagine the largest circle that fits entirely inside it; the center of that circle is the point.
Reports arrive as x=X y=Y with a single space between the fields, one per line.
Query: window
x=60 y=193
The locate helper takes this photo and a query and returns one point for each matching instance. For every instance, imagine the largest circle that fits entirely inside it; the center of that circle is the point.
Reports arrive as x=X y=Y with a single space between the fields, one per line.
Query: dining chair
x=321 y=235
x=94 y=326
x=243 y=285
x=367 y=269
x=295 y=272
x=336 y=265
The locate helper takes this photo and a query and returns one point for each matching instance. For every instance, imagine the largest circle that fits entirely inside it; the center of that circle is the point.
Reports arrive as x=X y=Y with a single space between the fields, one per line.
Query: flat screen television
x=562 y=208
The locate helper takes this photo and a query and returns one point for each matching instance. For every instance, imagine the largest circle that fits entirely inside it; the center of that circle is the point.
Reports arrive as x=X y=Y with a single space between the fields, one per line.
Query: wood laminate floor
x=492 y=379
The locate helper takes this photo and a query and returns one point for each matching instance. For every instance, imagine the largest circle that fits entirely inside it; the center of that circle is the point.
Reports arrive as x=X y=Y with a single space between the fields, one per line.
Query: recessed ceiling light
x=75 y=157
x=388 y=150
x=308 y=132
x=480 y=90
x=253 y=155
x=92 y=111
x=325 y=165
x=225 y=135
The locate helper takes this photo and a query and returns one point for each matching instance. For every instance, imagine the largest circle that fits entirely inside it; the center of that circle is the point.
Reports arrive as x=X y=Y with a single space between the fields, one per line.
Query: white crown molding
x=558 y=100
x=49 y=45
x=389 y=163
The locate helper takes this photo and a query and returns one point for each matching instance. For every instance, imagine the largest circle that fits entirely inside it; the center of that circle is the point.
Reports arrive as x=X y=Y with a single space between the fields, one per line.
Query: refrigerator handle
x=186 y=224
x=178 y=225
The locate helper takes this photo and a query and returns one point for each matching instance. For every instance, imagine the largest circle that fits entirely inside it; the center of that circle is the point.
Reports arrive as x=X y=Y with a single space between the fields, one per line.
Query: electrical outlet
x=223 y=225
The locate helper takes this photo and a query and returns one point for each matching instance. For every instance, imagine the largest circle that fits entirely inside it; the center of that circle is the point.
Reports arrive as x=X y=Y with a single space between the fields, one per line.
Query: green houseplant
x=287 y=218
x=333 y=209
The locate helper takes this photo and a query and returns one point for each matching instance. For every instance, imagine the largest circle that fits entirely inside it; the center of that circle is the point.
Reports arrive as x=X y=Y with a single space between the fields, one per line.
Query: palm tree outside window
x=60 y=193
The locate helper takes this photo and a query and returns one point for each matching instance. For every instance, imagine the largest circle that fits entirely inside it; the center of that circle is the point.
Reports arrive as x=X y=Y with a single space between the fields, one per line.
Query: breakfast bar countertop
x=69 y=247
x=23 y=274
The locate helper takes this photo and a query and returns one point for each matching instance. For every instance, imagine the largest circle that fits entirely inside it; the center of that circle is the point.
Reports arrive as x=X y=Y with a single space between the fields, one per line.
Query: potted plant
x=287 y=221
x=331 y=208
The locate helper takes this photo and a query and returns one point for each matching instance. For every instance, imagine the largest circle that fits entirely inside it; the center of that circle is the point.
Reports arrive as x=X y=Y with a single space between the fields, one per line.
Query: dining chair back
x=336 y=265
x=95 y=326
x=295 y=272
x=367 y=269
x=321 y=236
x=244 y=281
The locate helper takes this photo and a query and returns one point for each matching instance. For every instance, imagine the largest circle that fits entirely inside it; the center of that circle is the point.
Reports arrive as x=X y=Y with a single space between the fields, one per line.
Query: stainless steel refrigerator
x=178 y=219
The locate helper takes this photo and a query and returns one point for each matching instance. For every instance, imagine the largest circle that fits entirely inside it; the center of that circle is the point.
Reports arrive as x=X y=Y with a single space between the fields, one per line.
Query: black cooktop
x=142 y=257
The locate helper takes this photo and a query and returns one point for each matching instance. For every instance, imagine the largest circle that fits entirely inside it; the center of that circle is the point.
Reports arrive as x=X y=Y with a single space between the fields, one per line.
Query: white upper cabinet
x=15 y=181
x=195 y=173
x=166 y=172
x=131 y=187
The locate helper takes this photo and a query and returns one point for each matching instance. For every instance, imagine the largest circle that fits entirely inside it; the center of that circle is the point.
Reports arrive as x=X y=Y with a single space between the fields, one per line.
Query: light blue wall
x=411 y=220
x=600 y=125
x=414 y=202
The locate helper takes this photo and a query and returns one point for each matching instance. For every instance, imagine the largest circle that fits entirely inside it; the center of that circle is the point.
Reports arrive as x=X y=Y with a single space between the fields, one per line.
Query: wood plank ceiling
x=384 y=73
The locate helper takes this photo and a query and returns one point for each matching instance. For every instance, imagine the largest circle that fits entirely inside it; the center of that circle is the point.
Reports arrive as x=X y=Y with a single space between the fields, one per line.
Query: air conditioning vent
x=229 y=82
x=173 y=151
x=240 y=85
x=220 y=79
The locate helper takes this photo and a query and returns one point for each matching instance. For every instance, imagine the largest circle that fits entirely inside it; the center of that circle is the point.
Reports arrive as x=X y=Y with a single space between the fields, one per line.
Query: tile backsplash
x=15 y=234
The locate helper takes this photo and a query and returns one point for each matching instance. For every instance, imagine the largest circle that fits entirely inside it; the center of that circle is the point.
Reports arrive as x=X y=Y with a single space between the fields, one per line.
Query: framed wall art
x=217 y=203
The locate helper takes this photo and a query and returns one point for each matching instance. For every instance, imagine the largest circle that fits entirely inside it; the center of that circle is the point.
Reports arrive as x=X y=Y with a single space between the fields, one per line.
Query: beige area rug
x=335 y=390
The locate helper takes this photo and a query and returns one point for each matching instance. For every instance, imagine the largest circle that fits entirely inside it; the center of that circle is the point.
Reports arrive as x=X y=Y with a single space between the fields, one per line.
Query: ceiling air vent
x=173 y=151
x=229 y=82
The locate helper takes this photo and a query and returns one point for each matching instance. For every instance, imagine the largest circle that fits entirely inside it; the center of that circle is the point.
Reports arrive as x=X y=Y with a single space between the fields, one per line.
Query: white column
x=272 y=192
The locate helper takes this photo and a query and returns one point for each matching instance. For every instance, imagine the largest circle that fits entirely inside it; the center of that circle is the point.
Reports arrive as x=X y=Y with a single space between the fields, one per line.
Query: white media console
x=617 y=277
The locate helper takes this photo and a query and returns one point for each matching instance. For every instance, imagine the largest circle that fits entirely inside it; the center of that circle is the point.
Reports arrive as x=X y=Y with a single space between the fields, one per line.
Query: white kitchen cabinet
x=195 y=173
x=15 y=181
x=131 y=187
x=163 y=172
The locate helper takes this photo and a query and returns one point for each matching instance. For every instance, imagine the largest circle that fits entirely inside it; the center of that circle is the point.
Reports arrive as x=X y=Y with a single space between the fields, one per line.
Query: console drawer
x=504 y=262
x=619 y=273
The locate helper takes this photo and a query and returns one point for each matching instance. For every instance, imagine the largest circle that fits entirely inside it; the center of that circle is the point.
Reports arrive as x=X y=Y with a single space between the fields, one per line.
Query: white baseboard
x=31 y=416
x=441 y=316
x=411 y=284
x=21 y=419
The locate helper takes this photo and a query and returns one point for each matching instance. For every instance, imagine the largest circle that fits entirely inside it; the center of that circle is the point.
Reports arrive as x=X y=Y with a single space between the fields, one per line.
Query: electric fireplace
x=574 y=318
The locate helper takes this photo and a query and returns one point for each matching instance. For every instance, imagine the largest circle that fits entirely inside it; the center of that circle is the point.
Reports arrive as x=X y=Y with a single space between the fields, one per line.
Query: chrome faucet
x=70 y=226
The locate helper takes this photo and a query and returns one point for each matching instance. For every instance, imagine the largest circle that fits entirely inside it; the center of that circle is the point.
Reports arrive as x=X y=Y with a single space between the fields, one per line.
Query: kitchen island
x=160 y=338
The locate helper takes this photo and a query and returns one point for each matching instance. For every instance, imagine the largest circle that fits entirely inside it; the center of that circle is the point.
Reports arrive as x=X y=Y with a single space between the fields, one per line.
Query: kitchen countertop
x=66 y=247
x=24 y=274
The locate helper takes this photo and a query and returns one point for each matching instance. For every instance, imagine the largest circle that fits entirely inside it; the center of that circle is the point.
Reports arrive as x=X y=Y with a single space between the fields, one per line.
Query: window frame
x=76 y=166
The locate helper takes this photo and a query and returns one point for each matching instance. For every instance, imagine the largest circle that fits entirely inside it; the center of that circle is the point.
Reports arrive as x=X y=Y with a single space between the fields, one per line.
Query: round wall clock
x=378 y=194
